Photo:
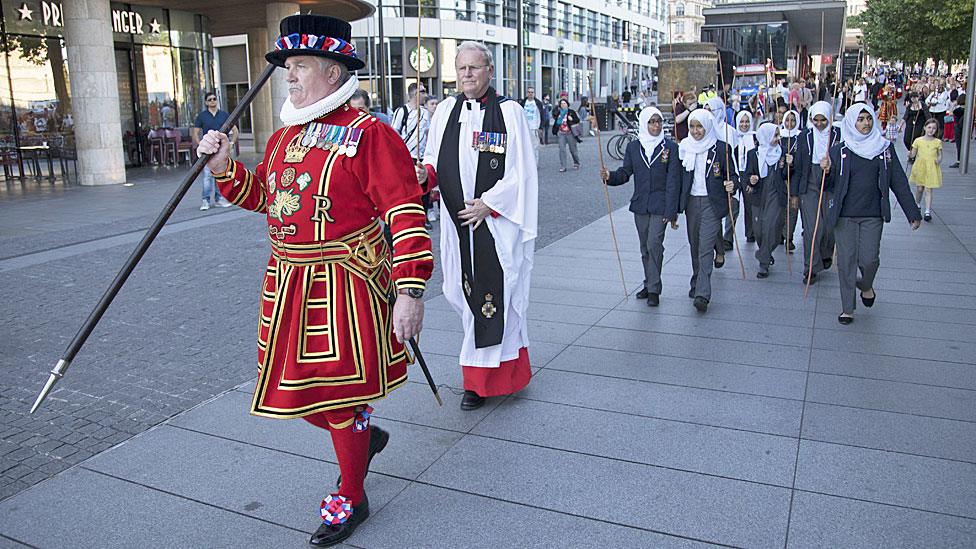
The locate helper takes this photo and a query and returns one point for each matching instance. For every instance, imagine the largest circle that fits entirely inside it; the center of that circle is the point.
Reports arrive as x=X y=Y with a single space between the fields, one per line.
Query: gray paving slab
x=910 y=370
x=923 y=483
x=674 y=502
x=826 y=521
x=925 y=436
x=686 y=372
x=475 y=521
x=412 y=448
x=757 y=331
x=223 y=473
x=901 y=346
x=697 y=347
x=416 y=405
x=892 y=396
x=745 y=456
x=677 y=305
x=701 y=406
x=922 y=313
x=584 y=299
x=569 y=313
x=113 y=513
x=872 y=325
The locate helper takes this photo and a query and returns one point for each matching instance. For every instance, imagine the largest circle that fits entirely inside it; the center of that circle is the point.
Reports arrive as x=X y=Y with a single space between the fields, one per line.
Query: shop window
x=428 y=8
x=40 y=92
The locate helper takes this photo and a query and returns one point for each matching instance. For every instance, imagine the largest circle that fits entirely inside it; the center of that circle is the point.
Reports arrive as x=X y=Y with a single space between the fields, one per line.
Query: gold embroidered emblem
x=322 y=206
x=287 y=177
x=285 y=204
x=488 y=309
x=280 y=234
x=295 y=152
x=664 y=155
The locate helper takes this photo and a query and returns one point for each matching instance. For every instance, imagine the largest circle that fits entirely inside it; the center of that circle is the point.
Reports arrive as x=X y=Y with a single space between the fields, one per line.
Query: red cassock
x=325 y=339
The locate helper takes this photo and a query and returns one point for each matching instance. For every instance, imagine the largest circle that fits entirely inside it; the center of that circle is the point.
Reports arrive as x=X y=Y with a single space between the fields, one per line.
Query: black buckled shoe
x=642 y=294
x=653 y=300
x=377 y=441
x=471 y=401
x=328 y=535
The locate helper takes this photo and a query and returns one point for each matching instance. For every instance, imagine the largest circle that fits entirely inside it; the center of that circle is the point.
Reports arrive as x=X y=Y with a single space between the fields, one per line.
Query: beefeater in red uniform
x=328 y=343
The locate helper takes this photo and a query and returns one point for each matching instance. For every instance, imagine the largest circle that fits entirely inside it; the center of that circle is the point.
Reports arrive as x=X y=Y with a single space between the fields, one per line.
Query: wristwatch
x=415 y=293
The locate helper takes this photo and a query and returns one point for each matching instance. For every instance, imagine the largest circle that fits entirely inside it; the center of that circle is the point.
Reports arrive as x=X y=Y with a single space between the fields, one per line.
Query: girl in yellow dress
x=927 y=170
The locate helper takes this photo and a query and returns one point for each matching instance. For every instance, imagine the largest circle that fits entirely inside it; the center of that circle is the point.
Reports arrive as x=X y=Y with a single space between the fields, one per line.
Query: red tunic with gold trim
x=325 y=336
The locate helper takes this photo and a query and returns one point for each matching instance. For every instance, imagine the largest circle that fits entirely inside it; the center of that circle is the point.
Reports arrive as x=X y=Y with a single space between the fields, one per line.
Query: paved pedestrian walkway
x=763 y=423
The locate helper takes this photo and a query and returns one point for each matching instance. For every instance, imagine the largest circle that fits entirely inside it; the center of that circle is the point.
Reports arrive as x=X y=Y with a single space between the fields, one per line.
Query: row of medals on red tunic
x=328 y=137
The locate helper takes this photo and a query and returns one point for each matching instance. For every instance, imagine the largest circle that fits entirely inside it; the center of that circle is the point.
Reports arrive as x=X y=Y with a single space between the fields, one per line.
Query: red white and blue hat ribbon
x=335 y=509
x=297 y=41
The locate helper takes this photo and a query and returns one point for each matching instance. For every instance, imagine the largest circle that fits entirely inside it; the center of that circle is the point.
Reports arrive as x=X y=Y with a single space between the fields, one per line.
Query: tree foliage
x=916 y=30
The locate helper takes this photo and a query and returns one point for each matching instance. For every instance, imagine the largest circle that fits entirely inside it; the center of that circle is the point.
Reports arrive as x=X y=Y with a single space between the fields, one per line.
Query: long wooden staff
x=420 y=154
x=86 y=329
x=823 y=176
x=606 y=194
x=728 y=195
x=788 y=233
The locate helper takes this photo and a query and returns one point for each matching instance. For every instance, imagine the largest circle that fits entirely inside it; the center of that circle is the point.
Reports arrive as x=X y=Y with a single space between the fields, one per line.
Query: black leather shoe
x=828 y=263
x=728 y=245
x=868 y=301
x=471 y=401
x=763 y=272
x=719 y=264
x=653 y=300
x=642 y=294
x=328 y=534
x=845 y=320
x=377 y=441
x=691 y=293
x=701 y=304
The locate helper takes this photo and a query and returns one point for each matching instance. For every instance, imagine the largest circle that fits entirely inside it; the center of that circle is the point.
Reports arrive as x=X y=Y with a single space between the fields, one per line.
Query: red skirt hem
x=511 y=376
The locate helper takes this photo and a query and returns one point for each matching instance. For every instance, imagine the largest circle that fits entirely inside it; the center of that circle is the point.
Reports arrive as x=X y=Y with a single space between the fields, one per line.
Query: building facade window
x=679 y=10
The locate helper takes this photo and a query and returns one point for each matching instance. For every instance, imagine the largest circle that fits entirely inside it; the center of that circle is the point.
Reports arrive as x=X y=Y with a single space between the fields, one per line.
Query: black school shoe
x=828 y=263
x=868 y=301
x=471 y=401
x=377 y=441
x=328 y=535
x=653 y=300
x=763 y=272
x=701 y=304
x=845 y=320
x=719 y=264
x=642 y=294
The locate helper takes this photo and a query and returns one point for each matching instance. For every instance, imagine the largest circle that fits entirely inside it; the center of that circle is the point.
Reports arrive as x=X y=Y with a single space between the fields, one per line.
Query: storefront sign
x=422 y=57
x=131 y=22
x=51 y=13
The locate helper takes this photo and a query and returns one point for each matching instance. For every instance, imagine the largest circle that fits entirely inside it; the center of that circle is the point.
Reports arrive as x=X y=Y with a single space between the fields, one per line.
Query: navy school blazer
x=715 y=165
x=774 y=176
x=891 y=179
x=805 y=153
x=657 y=179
